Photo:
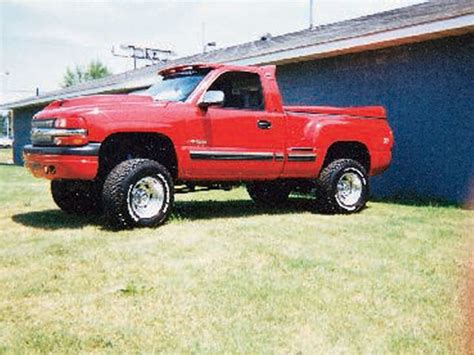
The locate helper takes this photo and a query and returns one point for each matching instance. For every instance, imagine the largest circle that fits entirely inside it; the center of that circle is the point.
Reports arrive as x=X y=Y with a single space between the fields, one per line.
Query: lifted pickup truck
x=204 y=125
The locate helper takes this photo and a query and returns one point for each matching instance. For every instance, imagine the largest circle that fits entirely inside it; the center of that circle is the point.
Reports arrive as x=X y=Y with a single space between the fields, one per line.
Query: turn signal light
x=72 y=140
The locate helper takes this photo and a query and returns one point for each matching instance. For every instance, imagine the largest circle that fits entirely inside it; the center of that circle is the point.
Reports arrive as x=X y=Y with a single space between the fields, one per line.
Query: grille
x=37 y=136
x=49 y=123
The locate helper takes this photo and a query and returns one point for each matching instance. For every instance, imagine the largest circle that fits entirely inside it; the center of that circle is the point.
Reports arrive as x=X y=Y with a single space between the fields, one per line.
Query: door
x=239 y=139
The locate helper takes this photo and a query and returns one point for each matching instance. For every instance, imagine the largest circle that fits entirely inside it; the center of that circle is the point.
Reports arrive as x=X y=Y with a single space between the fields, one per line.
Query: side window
x=241 y=90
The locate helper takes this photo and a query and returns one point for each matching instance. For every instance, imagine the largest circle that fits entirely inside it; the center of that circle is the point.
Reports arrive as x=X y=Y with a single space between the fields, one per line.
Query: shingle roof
x=274 y=48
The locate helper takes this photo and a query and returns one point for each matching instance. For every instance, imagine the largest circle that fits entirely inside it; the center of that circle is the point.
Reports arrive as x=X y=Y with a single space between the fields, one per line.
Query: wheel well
x=348 y=150
x=119 y=147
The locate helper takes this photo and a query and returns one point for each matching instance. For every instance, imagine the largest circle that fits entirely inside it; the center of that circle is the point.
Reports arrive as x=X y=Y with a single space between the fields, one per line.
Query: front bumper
x=78 y=163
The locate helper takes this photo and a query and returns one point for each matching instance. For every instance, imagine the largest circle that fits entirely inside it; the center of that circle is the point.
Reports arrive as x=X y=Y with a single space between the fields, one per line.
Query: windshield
x=176 y=87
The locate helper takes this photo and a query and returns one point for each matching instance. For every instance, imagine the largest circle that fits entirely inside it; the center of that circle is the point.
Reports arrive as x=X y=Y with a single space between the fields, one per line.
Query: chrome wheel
x=349 y=189
x=146 y=197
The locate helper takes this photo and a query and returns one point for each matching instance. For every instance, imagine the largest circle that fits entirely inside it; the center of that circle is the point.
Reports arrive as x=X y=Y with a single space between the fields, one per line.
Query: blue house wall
x=428 y=91
x=21 y=130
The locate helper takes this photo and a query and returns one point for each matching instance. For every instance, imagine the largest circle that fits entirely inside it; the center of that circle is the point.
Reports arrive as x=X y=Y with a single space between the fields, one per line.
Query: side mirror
x=212 y=98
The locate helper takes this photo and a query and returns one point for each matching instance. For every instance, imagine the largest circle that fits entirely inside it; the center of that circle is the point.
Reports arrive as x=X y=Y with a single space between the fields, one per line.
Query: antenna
x=155 y=55
x=311 y=24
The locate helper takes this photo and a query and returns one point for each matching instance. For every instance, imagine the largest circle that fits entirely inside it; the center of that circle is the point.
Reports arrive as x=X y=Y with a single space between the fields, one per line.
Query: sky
x=39 y=39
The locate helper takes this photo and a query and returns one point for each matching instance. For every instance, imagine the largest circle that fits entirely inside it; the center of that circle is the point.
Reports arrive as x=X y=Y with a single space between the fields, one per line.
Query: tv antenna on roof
x=154 y=55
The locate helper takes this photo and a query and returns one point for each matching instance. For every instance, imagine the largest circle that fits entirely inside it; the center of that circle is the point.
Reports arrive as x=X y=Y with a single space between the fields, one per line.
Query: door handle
x=264 y=124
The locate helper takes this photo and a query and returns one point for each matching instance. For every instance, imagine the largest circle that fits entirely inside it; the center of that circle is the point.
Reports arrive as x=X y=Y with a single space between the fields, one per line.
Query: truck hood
x=99 y=100
x=98 y=105
x=362 y=111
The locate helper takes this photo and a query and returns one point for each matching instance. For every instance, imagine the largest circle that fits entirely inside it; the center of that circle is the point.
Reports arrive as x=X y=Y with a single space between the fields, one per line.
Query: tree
x=94 y=70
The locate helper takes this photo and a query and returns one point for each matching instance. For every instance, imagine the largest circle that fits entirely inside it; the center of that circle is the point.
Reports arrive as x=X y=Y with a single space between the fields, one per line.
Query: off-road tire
x=327 y=199
x=116 y=196
x=77 y=196
x=268 y=193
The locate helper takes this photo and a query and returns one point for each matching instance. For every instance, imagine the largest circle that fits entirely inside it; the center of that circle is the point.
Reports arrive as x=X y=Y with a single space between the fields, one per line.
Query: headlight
x=59 y=131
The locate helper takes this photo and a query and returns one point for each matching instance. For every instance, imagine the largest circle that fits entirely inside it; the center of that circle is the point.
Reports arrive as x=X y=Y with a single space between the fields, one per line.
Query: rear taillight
x=59 y=131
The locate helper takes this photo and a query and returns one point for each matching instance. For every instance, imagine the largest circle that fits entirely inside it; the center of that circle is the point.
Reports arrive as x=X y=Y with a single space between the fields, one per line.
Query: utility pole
x=311 y=23
x=203 y=36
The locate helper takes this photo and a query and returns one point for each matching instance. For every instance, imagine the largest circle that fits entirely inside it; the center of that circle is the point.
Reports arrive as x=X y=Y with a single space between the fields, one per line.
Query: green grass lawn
x=223 y=275
x=6 y=156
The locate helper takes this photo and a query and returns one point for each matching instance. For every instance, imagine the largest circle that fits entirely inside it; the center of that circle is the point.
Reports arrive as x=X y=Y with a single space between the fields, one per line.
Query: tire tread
x=326 y=202
x=114 y=192
x=77 y=196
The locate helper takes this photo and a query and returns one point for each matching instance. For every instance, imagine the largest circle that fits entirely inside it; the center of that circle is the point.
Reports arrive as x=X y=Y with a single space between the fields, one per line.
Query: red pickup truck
x=204 y=126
